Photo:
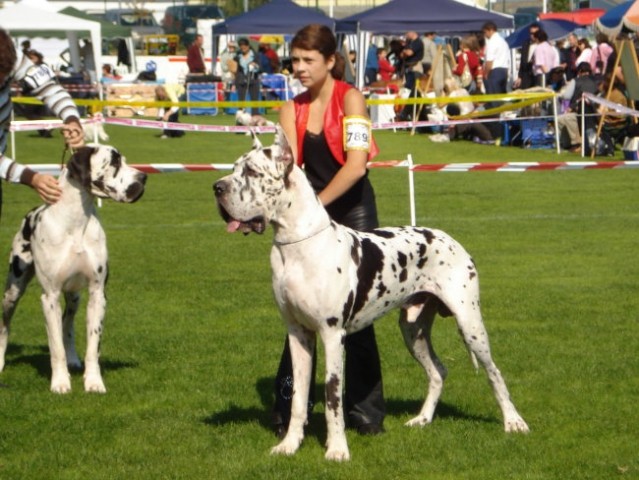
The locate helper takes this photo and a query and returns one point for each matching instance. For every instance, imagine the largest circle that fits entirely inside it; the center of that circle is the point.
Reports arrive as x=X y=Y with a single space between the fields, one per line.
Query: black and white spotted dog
x=65 y=246
x=332 y=280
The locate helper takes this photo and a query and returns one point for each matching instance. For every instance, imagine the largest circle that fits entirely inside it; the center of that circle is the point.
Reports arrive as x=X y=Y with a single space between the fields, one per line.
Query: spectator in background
x=269 y=60
x=195 y=56
x=412 y=55
x=569 y=56
x=430 y=50
x=476 y=132
x=386 y=69
x=26 y=46
x=584 y=82
x=497 y=63
x=228 y=65
x=107 y=72
x=395 y=48
x=372 y=65
x=525 y=76
x=601 y=54
x=169 y=93
x=545 y=58
x=247 y=77
x=468 y=55
x=585 y=51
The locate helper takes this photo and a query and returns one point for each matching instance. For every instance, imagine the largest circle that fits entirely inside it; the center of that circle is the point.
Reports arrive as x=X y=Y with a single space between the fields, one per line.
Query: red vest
x=333 y=123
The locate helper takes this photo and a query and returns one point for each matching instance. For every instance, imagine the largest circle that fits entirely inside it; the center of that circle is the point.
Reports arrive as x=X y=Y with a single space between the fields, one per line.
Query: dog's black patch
x=383 y=233
x=366 y=272
x=332 y=397
x=116 y=161
x=430 y=236
x=331 y=321
x=346 y=311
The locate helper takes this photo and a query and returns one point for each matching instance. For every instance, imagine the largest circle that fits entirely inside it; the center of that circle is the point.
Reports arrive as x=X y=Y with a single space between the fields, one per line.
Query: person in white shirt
x=497 y=61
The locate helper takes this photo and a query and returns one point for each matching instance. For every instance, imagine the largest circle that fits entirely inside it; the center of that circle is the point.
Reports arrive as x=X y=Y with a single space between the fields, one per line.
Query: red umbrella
x=584 y=16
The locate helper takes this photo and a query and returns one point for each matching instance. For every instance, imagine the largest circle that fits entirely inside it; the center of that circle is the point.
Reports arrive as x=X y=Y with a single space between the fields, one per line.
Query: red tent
x=584 y=16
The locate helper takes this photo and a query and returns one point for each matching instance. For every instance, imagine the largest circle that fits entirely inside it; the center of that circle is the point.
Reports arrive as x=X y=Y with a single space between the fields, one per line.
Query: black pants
x=174 y=118
x=252 y=87
x=364 y=395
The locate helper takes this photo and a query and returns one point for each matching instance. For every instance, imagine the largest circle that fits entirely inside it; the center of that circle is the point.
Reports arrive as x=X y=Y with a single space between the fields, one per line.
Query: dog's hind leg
x=417 y=337
x=21 y=271
x=473 y=332
x=302 y=345
x=95 y=317
x=72 y=301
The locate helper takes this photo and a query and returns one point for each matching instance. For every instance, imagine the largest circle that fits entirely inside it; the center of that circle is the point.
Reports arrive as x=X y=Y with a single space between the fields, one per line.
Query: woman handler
x=330 y=133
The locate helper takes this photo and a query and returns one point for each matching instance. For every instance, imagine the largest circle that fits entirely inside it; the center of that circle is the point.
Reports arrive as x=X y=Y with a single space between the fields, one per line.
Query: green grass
x=192 y=337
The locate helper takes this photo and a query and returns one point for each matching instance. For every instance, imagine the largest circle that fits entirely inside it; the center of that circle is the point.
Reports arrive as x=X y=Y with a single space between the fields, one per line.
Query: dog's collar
x=302 y=239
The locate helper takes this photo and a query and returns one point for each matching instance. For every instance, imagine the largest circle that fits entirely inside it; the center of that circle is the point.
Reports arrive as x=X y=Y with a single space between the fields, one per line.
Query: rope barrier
x=509 y=167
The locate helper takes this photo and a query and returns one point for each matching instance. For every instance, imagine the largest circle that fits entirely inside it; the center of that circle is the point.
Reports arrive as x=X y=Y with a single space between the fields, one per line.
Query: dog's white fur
x=64 y=244
x=332 y=280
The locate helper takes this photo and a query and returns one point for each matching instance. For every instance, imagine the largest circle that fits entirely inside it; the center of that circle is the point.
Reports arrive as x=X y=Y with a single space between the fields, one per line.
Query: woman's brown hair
x=7 y=54
x=320 y=37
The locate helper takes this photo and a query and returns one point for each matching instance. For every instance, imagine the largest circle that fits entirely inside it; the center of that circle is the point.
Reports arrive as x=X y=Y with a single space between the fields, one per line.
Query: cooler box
x=537 y=133
x=203 y=92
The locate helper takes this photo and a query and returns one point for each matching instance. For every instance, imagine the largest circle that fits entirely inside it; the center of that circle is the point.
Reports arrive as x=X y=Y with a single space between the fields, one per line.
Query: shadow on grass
x=399 y=407
x=41 y=361
x=316 y=426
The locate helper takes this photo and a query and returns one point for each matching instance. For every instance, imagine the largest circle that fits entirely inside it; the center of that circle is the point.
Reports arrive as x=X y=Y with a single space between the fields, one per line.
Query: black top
x=321 y=167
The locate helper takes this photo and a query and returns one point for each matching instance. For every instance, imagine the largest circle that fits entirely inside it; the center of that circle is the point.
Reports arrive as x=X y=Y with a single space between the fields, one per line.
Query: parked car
x=142 y=22
x=182 y=19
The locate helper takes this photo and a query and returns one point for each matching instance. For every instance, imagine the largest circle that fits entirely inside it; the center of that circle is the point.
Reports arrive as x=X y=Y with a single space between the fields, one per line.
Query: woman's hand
x=47 y=187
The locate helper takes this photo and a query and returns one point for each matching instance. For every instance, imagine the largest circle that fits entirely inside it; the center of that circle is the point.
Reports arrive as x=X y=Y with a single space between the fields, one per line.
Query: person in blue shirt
x=372 y=65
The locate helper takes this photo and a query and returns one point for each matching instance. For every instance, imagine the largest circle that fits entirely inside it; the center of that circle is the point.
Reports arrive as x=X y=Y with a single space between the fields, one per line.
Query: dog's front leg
x=302 y=345
x=60 y=378
x=336 y=445
x=95 y=316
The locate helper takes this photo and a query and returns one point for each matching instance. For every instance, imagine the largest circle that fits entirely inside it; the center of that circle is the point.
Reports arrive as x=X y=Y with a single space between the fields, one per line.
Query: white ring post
x=557 y=133
x=411 y=190
x=583 y=127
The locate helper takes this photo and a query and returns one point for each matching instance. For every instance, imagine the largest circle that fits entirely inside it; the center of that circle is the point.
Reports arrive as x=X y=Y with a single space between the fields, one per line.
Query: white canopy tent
x=27 y=20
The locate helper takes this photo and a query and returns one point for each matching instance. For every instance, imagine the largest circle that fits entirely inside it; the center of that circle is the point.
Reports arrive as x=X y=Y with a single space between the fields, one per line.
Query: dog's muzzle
x=256 y=224
x=136 y=189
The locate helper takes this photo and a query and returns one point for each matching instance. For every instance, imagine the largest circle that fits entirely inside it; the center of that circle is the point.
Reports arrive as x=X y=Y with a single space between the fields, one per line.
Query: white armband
x=357 y=133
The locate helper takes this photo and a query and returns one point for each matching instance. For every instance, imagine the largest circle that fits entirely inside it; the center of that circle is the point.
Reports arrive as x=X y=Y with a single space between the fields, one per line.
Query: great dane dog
x=65 y=246
x=332 y=280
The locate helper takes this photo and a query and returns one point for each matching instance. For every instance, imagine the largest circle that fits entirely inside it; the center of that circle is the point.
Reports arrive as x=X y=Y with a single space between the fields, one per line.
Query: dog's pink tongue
x=233 y=226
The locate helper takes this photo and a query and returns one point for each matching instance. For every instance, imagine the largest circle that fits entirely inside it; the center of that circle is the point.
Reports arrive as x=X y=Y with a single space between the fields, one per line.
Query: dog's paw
x=337 y=455
x=61 y=385
x=337 y=449
x=288 y=446
x=418 y=421
x=94 y=384
x=516 y=425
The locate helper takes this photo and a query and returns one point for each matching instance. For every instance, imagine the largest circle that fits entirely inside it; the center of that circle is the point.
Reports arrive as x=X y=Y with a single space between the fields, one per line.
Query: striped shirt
x=38 y=80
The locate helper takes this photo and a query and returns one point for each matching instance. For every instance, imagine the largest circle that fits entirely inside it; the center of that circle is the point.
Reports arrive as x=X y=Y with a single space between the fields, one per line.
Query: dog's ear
x=257 y=145
x=285 y=147
x=79 y=166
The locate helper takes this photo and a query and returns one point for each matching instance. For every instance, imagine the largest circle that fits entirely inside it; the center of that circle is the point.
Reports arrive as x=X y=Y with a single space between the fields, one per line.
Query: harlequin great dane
x=332 y=280
x=65 y=246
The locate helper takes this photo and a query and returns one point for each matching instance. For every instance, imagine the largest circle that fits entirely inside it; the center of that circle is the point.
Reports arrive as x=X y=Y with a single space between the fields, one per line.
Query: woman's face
x=310 y=67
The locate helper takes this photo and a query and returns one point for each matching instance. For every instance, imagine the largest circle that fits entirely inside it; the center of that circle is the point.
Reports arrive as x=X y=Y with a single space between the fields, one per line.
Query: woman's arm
x=355 y=166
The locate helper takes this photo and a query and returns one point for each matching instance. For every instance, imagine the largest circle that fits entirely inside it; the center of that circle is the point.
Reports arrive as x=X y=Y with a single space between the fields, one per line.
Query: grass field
x=192 y=338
